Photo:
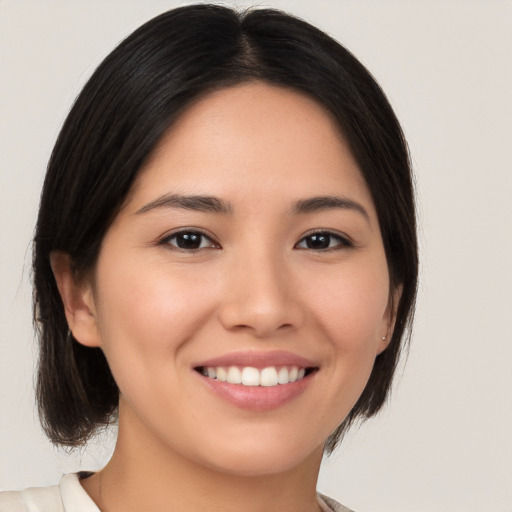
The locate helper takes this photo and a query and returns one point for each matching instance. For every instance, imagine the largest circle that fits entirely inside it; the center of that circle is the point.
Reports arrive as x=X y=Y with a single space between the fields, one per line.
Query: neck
x=144 y=475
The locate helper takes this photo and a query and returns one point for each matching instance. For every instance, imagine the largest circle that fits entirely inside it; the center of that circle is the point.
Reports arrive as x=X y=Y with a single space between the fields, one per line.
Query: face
x=248 y=250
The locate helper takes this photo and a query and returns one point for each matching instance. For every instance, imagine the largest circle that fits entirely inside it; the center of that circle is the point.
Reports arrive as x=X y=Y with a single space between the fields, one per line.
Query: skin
x=255 y=284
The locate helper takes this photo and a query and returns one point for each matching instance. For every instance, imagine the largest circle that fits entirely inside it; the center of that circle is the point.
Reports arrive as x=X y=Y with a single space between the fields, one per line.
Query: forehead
x=253 y=139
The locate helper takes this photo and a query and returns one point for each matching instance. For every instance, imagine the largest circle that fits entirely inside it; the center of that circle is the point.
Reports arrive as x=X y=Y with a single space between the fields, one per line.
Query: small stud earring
x=383 y=338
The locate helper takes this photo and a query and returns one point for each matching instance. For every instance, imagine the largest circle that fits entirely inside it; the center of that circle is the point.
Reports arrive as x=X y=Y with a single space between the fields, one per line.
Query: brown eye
x=190 y=241
x=323 y=240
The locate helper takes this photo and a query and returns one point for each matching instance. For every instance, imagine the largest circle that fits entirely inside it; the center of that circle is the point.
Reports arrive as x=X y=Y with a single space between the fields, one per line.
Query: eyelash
x=194 y=232
x=342 y=242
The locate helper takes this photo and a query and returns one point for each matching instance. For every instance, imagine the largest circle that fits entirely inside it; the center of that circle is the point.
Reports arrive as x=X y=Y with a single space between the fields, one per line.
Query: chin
x=260 y=457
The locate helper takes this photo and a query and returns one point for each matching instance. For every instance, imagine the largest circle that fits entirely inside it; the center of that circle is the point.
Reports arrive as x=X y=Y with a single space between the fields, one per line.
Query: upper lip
x=258 y=359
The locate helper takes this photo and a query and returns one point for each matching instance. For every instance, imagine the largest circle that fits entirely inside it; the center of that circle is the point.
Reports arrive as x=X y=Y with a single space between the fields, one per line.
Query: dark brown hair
x=121 y=114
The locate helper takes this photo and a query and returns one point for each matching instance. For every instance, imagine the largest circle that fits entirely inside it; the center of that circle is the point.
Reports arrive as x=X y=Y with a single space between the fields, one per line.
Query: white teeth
x=222 y=374
x=283 y=376
x=269 y=377
x=249 y=376
x=234 y=375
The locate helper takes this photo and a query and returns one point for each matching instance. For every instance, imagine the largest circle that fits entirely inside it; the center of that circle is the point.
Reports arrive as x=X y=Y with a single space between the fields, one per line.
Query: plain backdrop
x=444 y=443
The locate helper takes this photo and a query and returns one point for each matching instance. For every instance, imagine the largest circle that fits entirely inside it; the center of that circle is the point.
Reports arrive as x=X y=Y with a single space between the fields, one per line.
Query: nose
x=261 y=298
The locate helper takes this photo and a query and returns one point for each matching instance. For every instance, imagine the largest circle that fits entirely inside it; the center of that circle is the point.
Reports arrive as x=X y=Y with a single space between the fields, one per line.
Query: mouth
x=269 y=376
x=257 y=381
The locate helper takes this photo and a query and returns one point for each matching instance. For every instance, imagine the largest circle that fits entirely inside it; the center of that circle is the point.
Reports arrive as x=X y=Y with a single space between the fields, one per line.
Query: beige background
x=445 y=442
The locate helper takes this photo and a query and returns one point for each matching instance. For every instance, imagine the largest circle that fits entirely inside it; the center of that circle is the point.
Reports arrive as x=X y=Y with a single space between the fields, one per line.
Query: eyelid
x=345 y=241
x=164 y=240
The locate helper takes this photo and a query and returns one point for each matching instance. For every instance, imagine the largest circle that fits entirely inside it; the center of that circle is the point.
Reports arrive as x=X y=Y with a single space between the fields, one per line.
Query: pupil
x=318 y=241
x=188 y=241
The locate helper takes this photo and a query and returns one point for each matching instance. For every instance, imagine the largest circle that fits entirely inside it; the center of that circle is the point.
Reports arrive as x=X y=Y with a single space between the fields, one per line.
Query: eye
x=322 y=241
x=190 y=240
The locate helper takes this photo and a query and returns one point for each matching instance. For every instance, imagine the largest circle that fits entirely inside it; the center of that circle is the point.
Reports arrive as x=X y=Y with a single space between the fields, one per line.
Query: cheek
x=351 y=307
x=146 y=313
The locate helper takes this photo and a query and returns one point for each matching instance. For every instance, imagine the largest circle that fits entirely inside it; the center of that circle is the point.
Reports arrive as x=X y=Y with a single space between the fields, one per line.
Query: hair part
x=123 y=111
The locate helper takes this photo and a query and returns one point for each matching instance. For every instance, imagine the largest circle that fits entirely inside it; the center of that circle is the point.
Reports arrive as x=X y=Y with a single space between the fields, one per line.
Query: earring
x=383 y=338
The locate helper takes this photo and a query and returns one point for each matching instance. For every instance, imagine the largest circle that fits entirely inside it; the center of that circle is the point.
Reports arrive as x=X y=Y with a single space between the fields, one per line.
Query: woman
x=225 y=264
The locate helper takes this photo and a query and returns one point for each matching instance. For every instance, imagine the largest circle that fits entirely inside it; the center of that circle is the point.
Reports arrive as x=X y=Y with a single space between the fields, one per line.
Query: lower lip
x=257 y=398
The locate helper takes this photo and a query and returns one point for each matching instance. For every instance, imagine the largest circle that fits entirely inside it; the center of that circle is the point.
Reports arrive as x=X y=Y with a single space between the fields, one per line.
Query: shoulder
x=33 y=499
x=68 y=496
x=329 y=505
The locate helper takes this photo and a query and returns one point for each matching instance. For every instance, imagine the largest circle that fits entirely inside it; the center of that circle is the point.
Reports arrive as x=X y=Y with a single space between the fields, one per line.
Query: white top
x=70 y=496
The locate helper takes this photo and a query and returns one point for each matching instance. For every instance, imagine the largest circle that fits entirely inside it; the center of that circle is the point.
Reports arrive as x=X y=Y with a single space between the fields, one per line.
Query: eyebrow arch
x=322 y=203
x=207 y=204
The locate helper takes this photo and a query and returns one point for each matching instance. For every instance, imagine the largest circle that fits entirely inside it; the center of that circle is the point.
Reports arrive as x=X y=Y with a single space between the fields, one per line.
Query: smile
x=249 y=376
x=257 y=380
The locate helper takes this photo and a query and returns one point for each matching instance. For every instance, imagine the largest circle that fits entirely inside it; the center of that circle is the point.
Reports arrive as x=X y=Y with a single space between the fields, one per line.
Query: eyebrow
x=211 y=204
x=322 y=203
x=207 y=204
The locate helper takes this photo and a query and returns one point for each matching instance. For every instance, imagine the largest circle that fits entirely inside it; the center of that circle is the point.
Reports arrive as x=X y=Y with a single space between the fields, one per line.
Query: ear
x=388 y=324
x=78 y=300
